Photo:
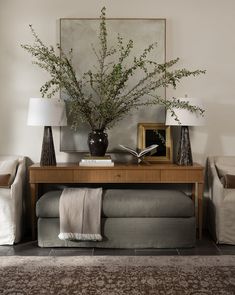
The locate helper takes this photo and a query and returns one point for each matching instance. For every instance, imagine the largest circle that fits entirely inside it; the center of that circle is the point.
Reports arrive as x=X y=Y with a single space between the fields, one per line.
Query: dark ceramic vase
x=98 y=142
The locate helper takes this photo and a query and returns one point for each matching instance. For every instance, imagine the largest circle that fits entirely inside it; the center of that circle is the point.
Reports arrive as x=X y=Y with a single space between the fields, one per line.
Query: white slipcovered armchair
x=221 y=206
x=11 y=199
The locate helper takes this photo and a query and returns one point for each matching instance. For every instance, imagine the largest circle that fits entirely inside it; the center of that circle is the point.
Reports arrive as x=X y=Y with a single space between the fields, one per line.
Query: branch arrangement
x=102 y=96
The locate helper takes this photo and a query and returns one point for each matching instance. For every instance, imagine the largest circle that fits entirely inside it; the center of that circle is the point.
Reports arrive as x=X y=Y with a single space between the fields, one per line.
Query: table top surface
x=149 y=166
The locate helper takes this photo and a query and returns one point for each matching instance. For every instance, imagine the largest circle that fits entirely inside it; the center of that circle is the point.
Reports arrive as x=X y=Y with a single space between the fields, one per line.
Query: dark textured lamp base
x=184 y=157
x=48 y=151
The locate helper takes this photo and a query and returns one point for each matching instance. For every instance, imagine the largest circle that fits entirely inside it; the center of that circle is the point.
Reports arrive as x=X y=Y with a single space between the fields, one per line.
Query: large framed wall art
x=81 y=35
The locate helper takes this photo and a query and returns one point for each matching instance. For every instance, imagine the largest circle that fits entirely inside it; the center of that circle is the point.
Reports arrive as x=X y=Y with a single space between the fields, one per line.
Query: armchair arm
x=216 y=196
x=216 y=189
x=19 y=178
x=17 y=190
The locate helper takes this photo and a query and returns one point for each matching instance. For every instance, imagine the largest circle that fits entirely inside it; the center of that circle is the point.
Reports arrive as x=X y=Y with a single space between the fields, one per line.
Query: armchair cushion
x=5 y=180
x=225 y=165
x=9 y=167
x=228 y=181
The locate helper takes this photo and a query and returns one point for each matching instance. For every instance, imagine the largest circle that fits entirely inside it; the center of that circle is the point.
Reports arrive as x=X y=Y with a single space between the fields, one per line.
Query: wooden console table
x=121 y=173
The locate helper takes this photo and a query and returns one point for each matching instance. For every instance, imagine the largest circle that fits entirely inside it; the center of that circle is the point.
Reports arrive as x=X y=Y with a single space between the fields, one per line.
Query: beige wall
x=200 y=32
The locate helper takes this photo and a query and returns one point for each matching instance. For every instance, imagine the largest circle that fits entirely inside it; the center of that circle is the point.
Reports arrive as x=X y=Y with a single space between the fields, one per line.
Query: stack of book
x=105 y=161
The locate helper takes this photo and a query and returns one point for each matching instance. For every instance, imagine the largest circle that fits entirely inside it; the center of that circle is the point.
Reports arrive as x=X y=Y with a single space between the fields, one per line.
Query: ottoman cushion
x=118 y=203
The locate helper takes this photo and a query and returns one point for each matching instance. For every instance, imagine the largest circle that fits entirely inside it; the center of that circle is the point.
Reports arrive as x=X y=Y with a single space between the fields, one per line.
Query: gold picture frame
x=156 y=133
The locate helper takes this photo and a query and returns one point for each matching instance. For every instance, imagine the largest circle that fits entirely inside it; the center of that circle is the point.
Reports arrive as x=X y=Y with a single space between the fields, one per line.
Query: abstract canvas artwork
x=81 y=35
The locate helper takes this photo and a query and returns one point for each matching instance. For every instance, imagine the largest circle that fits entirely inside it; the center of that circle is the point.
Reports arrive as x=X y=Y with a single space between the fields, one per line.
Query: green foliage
x=101 y=97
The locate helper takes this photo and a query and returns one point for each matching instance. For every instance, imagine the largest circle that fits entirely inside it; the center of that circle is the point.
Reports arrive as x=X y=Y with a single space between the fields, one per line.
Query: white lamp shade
x=46 y=112
x=186 y=117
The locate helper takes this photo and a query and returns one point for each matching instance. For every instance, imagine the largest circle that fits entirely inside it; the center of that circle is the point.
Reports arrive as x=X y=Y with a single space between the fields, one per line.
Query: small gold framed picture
x=156 y=133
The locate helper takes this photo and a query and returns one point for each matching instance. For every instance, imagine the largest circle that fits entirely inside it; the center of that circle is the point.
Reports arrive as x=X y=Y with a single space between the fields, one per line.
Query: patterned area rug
x=111 y=275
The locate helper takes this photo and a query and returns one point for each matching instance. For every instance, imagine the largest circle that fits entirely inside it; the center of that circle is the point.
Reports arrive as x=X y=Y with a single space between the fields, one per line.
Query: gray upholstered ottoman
x=130 y=219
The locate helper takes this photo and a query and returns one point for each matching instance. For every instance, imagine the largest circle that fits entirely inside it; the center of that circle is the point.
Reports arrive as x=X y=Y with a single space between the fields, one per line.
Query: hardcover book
x=139 y=153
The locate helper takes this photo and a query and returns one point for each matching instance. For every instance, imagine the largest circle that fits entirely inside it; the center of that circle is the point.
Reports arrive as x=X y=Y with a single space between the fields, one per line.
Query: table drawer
x=143 y=176
x=99 y=176
x=51 y=176
x=183 y=176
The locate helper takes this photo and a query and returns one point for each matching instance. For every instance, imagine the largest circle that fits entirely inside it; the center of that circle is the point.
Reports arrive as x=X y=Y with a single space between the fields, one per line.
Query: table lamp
x=47 y=112
x=186 y=118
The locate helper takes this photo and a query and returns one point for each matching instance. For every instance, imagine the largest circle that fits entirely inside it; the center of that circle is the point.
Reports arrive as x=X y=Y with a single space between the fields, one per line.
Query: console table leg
x=33 y=190
x=200 y=209
x=193 y=196
x=197 y=197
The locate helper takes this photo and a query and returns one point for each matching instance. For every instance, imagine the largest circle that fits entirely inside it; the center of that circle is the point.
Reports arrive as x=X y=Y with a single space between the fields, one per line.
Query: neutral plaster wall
x=200 y=32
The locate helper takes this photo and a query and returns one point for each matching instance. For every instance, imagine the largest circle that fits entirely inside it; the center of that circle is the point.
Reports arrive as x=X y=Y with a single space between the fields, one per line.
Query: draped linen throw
x=80 y=214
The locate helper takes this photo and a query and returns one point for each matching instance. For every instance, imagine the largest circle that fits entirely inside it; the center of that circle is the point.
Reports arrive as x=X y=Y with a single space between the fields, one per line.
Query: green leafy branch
x=102 y=96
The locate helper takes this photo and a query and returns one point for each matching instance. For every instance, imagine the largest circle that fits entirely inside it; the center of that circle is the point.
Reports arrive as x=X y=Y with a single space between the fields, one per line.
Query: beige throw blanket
x=80 y=214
